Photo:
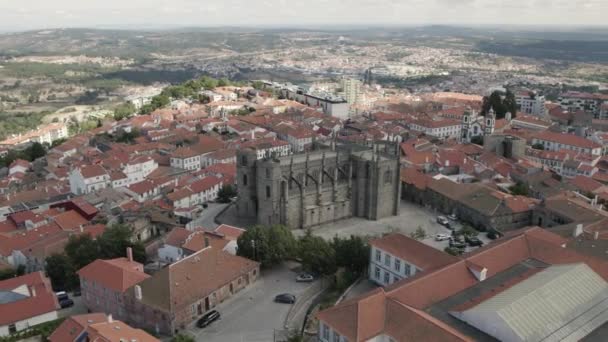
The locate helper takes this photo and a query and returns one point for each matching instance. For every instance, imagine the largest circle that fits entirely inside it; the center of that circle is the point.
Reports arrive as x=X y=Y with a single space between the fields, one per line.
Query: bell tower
x=490 y=122
x=466 y=125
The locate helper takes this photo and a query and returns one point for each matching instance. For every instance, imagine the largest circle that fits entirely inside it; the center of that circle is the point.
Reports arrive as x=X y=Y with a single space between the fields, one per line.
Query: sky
x=16 y=15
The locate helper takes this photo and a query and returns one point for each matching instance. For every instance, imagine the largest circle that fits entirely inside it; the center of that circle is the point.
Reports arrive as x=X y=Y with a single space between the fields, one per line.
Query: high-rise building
x=352 y=90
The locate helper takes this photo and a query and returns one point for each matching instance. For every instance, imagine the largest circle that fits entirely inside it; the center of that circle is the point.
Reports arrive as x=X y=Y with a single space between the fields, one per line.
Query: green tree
x=351 y=253
x=259 y=85
x=418 y=234
x=316 y=254
x=82 y=250
x=115 y=240
x=182 y=338
x=226 y=193
x=223 y=82
x=510 y=103
x=61 y=271
x=268 y=245
x=124 y=110
x=519 y=189
x=36 y=151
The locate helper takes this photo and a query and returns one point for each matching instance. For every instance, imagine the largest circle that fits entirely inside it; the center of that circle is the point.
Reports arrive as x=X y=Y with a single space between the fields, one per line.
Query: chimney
x=138 y=294
x=578 y=230
x=130 y=253
x=110 y=319
x=596 y=235
x=33 y=291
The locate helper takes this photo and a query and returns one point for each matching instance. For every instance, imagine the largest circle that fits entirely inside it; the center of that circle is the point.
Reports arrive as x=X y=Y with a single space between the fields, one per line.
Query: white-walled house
x=396 y=256
x=28 y=300
x=89 y=178
x=199 y=192
x=139 y=168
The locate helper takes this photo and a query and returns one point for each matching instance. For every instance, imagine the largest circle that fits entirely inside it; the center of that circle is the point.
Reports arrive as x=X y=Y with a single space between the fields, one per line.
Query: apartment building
x=446 y=128
x=552 y=141
x=531 y=103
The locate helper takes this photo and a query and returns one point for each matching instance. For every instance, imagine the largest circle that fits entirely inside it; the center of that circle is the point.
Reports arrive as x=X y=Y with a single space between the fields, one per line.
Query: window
x=397 y=265
x=407 y=270
x=267 y=191
x=387 y=277
x=267 y=173
x=336 y=337
x=244 y=179
x=12 y=328
x=387 y=260
x=377 y=273
x=378 y=256
x=325 y=332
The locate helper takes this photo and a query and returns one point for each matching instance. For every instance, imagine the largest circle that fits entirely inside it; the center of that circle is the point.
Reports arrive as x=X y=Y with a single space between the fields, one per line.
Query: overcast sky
x=34 y=14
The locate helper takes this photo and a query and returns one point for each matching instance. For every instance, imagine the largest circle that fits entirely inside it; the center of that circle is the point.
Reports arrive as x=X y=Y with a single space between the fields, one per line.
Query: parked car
x=442 y=220
x=66 y=303
x=452 y=217
x=473 y=241
x=456 y=238
x=459 y=245
x=442 y=237
x=285 y=298
x=493 y=235
x=205 y=205
x=305 y=278
x=77 y=293
x=61 y=295
x=208 y=318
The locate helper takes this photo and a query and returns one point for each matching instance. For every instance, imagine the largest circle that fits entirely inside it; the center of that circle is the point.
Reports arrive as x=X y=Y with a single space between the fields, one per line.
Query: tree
x=182 y=338
x=268 y=245
x=124 y=110
x=223 y=82
x=62 y=272
x=316 y=254
x=226 y=193
x=82 y=250
x=36 y=151
x=519 y=189
x=418 y=234
x=510 y=103
x=351 y=253
x=115 y=240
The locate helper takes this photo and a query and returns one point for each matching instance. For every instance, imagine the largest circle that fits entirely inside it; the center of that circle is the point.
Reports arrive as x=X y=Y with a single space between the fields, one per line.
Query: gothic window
x=267 y=191
x=243 y=160
x=388 y=175
x=267 y=173
x=245 y=180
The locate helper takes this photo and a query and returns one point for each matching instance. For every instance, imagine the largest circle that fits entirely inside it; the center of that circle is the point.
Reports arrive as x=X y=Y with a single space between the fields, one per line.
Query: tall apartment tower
x=323 y=186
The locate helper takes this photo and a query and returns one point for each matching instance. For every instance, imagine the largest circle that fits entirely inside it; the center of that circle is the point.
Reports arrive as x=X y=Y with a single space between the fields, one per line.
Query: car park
x=208 y=318
x=285 y=298
x=442 y=237
x=304 y=278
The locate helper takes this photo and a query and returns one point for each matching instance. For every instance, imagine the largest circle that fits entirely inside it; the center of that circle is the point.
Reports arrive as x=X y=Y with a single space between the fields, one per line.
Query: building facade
x=310 y=189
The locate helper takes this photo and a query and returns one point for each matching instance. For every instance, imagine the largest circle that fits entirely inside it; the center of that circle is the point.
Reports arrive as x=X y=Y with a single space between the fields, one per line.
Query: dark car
x=458 y=245
x=473 y=241
x=66 y=303
x=285 y=298
x=208 y=318
x=77 y=293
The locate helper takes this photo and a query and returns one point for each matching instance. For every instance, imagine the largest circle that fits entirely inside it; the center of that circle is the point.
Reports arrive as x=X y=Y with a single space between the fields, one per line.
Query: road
x=207 y=217
x=252 y=316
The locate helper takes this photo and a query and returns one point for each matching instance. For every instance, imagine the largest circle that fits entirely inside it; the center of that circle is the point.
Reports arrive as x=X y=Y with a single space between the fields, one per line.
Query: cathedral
x=322 y=186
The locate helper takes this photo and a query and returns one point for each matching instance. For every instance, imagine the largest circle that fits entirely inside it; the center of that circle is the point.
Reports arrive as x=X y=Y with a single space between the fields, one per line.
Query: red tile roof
x=40 y=300
x=115 y=274
x=567 y=139
x=73 y=326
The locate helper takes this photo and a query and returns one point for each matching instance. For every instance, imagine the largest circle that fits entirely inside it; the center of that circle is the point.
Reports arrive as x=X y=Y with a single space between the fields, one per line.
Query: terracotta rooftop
x=37 y=300
x=115 y=274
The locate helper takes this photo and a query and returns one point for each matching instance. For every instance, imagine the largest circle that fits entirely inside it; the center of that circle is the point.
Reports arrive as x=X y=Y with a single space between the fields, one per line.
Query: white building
x=446 y=128
x=573 y=101
x=27 y=300
x=396 y=256
x=139 y=168
x=531 y=103
x=552 y=141
x=45 y=135
x=87 y=179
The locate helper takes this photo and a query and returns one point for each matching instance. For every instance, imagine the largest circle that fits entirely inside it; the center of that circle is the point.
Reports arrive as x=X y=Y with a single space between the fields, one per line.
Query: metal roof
x=561 y=303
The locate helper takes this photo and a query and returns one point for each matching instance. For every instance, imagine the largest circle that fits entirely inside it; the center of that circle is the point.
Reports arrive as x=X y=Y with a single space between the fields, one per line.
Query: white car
x=453 y=217
x=442 y=220
x=442 y=237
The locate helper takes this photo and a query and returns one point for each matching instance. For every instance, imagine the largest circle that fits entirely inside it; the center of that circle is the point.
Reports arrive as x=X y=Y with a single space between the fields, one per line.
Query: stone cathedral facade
x=325 y=185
